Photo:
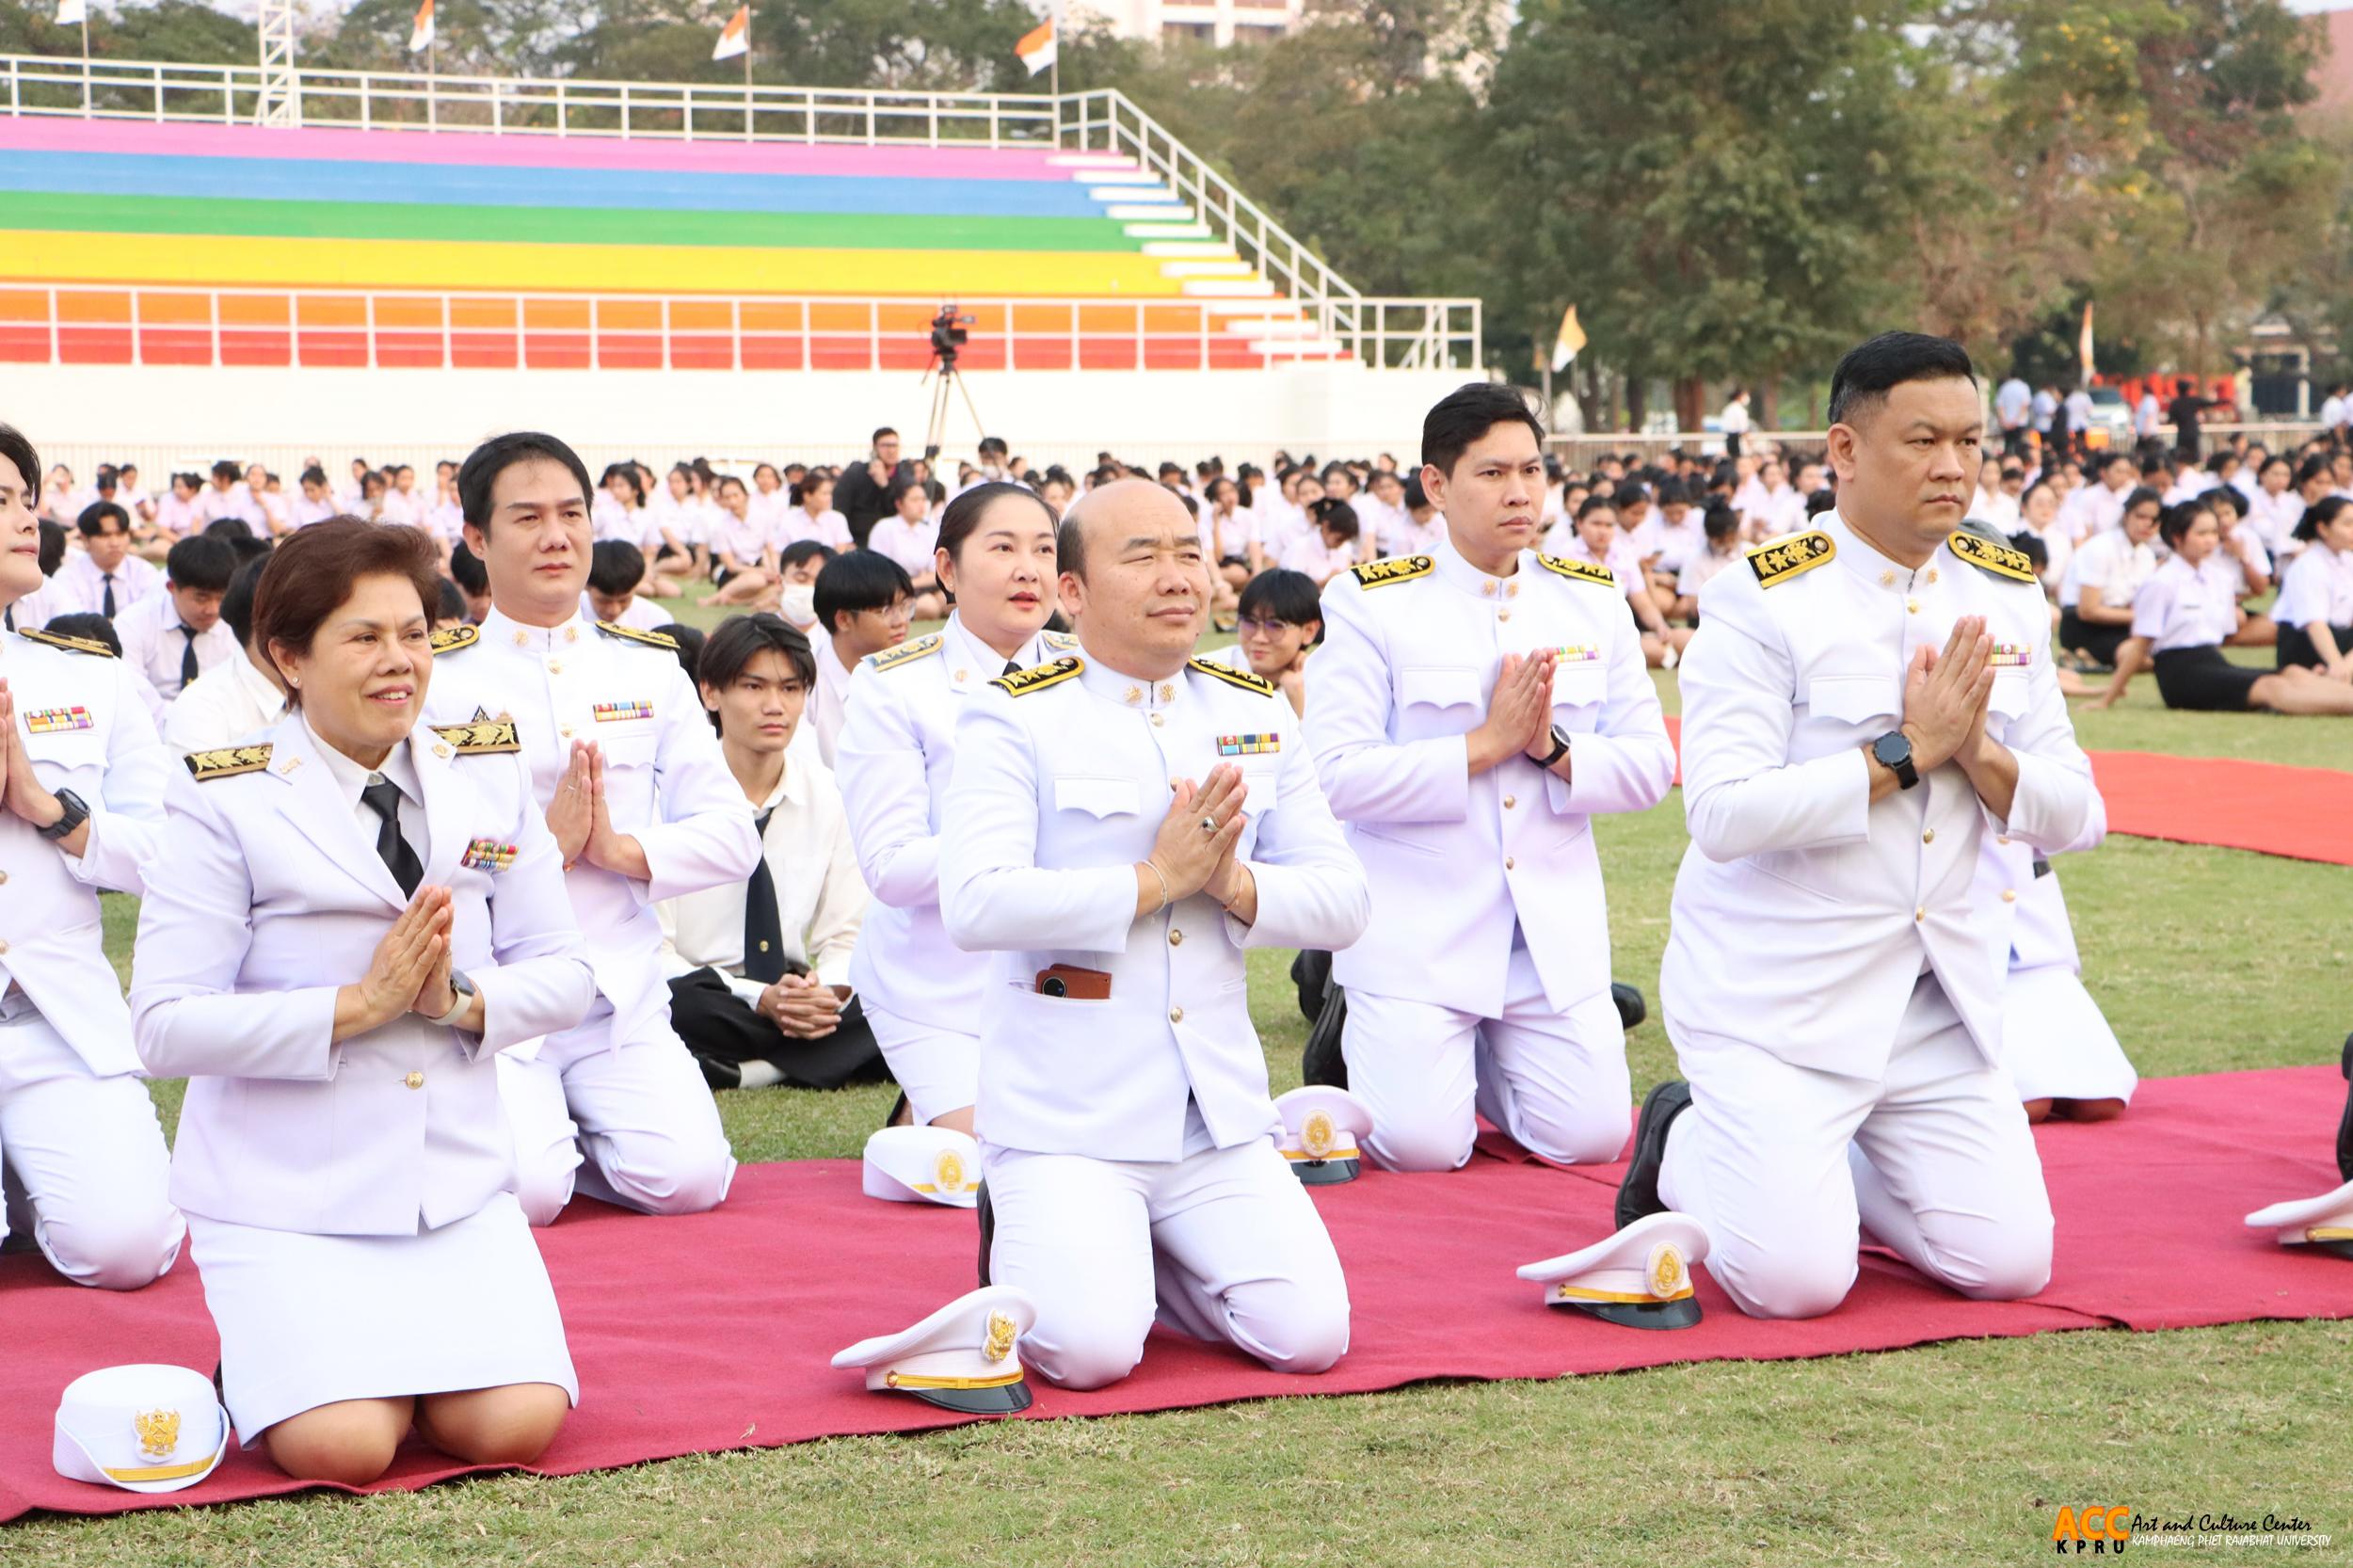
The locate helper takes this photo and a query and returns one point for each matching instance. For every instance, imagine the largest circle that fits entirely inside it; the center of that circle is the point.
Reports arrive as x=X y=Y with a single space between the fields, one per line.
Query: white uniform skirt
x=2057 y=1043
x=938 y=1068
x=306 y=1320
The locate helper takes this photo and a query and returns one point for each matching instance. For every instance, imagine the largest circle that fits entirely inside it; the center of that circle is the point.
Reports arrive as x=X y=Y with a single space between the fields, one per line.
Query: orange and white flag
x=736 y=36
x=1036 y=48
x=421 y=36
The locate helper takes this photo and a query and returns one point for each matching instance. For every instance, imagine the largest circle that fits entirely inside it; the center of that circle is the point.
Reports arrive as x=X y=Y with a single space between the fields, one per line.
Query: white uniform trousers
x=938 y=1070
x=86 y=1156
x=1226 y=1241
x=1935 y=1159
x=1556 y=1081
x=2056 y=1041
x=639 y=1112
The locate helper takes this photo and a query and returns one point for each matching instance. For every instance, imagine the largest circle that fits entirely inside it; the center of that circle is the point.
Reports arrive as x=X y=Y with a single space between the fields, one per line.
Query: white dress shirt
x=2111 y=562
x=154 y=638
x=821 y=899
x=828 y=528
x=80 y=587
x=227 y=704
x=2316 y=587
x=2182 y=606
x=910 y=544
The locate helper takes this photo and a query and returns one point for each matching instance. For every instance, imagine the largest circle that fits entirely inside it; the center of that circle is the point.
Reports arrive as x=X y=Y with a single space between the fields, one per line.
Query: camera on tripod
x=949 y=334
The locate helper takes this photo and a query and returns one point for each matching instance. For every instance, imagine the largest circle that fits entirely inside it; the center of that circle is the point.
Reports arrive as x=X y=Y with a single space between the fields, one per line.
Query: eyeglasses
x=1260 y=628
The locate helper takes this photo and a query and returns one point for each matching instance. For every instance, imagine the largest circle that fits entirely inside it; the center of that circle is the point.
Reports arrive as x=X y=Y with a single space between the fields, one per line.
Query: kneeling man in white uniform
x=1863 y=702
x=1123 y=825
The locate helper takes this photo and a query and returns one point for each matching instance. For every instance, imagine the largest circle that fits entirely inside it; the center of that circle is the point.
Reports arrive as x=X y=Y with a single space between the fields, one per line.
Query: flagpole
x=747 y=81
x=86 y=104
x=432 y=84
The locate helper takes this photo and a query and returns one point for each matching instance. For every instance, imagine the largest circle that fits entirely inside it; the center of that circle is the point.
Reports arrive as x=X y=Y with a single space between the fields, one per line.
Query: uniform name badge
x=1248 y=745
x=46 y=721
x=488 y=855
x=617 y=713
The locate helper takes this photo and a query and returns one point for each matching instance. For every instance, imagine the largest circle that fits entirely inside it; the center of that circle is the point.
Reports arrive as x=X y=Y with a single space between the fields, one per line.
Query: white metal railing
x=1379 y=332
x=2279 y=435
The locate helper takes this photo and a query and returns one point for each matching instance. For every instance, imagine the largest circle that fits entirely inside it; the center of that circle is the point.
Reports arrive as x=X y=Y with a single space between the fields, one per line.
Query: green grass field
x=2205 y=960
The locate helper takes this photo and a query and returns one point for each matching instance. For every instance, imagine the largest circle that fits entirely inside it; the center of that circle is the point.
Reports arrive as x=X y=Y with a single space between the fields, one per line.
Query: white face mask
x=800 y=602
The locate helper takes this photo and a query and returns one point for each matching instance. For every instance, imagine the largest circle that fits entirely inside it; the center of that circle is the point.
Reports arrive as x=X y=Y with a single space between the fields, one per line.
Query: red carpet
x=2301 y=813
x=712 y=1333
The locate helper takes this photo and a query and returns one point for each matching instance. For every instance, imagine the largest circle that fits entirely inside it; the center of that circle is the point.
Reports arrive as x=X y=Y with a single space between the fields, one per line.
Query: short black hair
x=92 y=521
x=229 y=530
x=859 y=580
x=1820 y=501
x=88 y=627
x=1468 y=413
x=227 y=469
x=485 y=463
x=2140 y=495
x=313 y=476
x=2318 y=516
x=1871 y=369
x=236 y=605
x=1070 y=545
x=203 y=564
x=690 y=645
x=1278 y=594
x=17 y=449
x=52 y=547
x=245 y=546
x=740 y=639
x=467 y=571
x=453 y=605
x=802 y=550
x=616 y=567
x=1600 y=501
x=1336 y=514
x=2176 y=520
x=962 y=515
x=1720 y=521
x=880 y=431
x=1629 y=494
x=1416 y=498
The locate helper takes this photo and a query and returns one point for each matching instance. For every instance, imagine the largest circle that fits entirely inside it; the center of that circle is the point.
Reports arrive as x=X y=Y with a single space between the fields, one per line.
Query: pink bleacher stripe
x=37 y=134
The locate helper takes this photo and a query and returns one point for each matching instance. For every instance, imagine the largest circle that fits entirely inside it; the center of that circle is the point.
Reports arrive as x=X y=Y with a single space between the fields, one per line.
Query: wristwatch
x=1560 y=748
x=463 y=990
x=1892 y=751
x=76 y=813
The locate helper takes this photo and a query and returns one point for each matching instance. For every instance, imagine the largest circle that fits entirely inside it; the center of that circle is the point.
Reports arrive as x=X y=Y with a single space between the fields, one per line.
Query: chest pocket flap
x=1095 y=797
x=1579 y=684
x=1854 y=698
x=1439 y=686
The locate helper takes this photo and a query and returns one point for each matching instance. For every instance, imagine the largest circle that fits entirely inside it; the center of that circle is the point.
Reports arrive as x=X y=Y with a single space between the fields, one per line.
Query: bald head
x=1121 y=513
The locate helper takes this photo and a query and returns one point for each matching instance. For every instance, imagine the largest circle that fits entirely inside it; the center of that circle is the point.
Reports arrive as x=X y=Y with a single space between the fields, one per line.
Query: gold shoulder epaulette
x=1061 y=641
x=1038 y=677
x=1779 y=560
x=205 y=766
x=905 y=653
x=1986 y=556
x=1233 y=677
x=455 y=638
x=480 y=738
x=1583 y=571
x=1397 y=568
x=71 y=644
x=628 y=634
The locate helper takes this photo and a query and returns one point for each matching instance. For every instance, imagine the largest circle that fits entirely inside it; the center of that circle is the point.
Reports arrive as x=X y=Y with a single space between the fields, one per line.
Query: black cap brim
x=1674 y=1314
x=1324 y=1173
x=1004 y=1400
x=2335 y=1247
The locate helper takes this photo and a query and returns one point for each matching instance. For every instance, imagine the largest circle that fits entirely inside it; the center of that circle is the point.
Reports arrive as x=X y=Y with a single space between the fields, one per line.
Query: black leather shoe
x=1632 y=1009
x=2344 y=1123
x=1323 y=1061
x=1637 y=1194
x=988 y=1227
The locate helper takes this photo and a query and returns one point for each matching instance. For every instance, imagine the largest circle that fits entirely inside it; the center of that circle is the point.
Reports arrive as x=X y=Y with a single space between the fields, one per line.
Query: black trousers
x=722 y=1033
x=2100 y=642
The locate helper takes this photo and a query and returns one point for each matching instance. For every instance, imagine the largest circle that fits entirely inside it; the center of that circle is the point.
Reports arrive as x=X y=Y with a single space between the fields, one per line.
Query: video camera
x=949 y=334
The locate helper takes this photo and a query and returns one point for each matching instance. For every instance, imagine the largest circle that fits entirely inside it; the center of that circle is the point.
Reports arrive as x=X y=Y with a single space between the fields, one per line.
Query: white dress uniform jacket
x=1411 y=653
x=1803 y=913
x=81 y=719
x=893 y=761
x=666 y=784
x=1059 y=791
x=222 y=706
x=269 y=896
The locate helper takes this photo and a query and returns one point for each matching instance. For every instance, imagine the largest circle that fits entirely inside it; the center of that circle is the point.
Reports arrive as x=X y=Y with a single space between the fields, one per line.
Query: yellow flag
x=1572 y=339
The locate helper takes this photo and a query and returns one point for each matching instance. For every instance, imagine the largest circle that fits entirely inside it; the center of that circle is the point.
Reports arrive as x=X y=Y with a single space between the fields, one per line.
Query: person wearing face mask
x=640 y=801
x=1125 y=822
x=796 y=599
x=82 y=783
x=2184 y=613
x=894 y=757
x=1470 y=711
x=353 y=920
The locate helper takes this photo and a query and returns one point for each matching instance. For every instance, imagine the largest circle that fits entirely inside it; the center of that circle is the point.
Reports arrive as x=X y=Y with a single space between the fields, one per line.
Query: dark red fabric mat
x=2300 y=813
x=713 y=1332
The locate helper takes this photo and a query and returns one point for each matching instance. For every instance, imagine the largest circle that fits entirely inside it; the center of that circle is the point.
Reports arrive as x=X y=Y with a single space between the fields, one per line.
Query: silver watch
x=463 y=990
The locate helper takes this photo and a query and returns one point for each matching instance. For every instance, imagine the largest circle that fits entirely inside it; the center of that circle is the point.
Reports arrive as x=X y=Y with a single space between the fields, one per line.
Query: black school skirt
x=2296 y=646
x=2201 y=678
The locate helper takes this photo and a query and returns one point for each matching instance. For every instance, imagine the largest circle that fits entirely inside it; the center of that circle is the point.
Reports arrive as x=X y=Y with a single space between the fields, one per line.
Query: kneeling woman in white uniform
x=350 y=918
x=893 y=761
x=2184 y=615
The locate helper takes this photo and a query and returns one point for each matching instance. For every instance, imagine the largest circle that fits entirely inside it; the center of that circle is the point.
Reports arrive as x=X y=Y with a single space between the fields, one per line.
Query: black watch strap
x=1892 y=751
x=76 y=813
x=1559 y=747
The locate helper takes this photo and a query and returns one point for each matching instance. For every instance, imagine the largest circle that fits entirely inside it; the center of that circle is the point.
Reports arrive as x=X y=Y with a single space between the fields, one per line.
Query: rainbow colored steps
x=127 y=242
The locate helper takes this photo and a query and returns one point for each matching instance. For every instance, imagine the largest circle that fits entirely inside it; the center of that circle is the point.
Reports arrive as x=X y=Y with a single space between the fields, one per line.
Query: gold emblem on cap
x=1001 y=1334
x=159 y=1432
x=1318 y=1136
x=1667 y=1276
x=947 y=1172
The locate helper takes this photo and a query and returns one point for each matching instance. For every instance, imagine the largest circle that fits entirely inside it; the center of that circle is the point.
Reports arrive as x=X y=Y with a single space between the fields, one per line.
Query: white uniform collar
x=1867 y=562
x=264 y=692
x=499 y=630
x=350 y=777
x=1128 y=691
x=1458 y=573
x=972 y=660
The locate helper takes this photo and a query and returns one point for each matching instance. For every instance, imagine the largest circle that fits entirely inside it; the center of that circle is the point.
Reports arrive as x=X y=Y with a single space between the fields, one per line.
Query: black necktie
x=383 y=798
x=764 y=923
x=1013 y=666
x=187 y=657
x=107 y=606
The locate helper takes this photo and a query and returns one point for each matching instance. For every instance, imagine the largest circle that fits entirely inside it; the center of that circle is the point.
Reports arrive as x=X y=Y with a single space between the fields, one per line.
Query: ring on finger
x=1209 y=825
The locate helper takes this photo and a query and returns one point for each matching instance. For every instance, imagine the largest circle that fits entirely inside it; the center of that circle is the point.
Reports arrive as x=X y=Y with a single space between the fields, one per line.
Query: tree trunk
x=1636 y=400
x=1769 y=403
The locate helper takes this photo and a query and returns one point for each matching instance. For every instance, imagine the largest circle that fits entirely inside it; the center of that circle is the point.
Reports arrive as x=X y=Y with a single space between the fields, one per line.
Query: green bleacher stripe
x=368 y=221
